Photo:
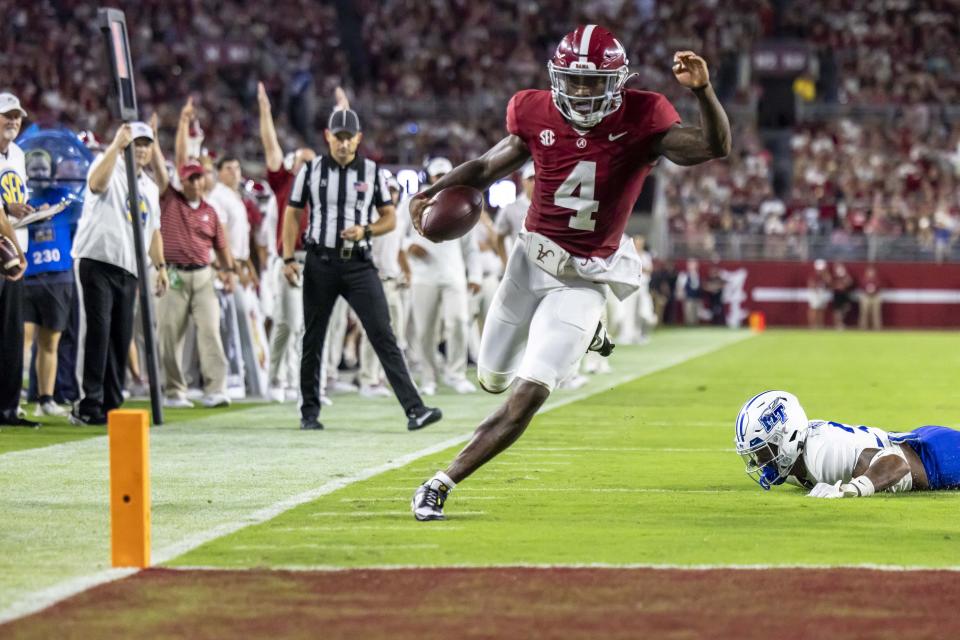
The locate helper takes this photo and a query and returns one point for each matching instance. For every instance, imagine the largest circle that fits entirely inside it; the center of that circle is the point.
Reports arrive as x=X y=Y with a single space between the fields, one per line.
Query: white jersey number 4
x=584 y=176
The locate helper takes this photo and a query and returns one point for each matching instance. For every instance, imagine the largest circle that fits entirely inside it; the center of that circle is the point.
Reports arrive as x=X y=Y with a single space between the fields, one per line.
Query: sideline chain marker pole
x=129 y=436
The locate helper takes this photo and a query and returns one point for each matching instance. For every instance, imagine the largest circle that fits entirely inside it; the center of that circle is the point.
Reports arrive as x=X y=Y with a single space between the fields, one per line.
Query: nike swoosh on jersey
x=612 y=137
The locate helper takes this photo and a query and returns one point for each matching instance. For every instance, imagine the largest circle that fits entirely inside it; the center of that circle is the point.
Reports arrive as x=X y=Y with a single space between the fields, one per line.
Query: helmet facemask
x=585 y=95
x=768 y=463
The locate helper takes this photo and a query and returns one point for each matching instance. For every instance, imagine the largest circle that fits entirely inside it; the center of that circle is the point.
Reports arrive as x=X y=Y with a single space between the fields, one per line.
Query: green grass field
x=636 y=469
x=645 y=473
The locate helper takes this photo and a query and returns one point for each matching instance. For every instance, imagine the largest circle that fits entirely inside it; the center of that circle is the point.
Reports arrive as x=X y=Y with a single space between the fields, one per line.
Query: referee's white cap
x=10 y=102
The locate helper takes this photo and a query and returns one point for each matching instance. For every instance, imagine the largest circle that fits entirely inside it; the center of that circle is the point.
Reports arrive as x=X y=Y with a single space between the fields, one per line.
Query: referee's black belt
x=344 y=254
x=189 y=267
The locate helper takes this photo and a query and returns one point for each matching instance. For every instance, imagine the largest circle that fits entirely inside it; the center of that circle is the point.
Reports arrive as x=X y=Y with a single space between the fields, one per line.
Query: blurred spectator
x=689 y=292
x=819 y=292
x=843 y=286
x=871 y=312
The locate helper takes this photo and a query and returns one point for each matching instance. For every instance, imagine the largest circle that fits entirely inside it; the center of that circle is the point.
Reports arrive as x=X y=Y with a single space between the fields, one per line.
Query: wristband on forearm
x=289 y=260
x=863 y=485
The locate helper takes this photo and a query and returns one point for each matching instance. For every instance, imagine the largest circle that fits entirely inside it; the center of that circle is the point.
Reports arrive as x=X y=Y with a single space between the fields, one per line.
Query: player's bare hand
x=340 y=97
x=417 y=251
x=418 y=205
x=473 y=288
x=227 y=279
x=188 y=112
x=162 y=283
x=19 y=209
x=21 y=268
x=291 y=272
x=123 y=137
x=155 y=125
x=262 y=98
x=690 y=70
x=354 y=233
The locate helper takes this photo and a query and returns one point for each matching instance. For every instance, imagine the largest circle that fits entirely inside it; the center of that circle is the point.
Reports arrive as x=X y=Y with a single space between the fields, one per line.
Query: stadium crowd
x=857 y=184
x=859 y=190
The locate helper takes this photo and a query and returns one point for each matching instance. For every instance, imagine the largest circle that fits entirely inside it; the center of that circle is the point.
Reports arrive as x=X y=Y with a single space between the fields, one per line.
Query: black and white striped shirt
x=339 y=197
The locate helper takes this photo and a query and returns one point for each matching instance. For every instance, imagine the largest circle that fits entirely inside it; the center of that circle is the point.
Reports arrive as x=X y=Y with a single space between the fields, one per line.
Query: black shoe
x=83 y=420
x=419 y=418
x=310 y=424
x=601 y=342
x=20 y=422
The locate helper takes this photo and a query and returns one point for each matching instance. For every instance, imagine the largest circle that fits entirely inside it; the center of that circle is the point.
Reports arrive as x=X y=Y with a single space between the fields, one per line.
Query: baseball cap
x=528 y=171
x=141 y=130
x=10 y=102
x=344 y=120
x=439 y=166
x=190 y=169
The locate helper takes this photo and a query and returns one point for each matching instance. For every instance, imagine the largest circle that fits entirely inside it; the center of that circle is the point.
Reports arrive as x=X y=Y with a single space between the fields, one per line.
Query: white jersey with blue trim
x=832 y=449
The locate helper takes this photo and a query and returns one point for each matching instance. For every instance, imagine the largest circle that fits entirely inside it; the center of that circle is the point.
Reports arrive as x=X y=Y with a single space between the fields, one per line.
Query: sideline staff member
x=106 y=265
x=13 y=197
x=342 y=189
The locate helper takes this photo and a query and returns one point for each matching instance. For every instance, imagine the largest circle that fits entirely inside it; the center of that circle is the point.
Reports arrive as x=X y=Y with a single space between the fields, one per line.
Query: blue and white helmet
x=770 y=432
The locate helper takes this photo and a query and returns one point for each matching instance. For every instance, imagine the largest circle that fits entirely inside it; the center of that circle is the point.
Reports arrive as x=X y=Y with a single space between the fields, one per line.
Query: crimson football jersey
x=586 y=185
x=281 y=181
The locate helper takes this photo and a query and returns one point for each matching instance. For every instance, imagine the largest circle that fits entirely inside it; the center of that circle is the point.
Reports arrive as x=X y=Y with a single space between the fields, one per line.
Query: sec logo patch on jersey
x=12 y=188
x=547 y=137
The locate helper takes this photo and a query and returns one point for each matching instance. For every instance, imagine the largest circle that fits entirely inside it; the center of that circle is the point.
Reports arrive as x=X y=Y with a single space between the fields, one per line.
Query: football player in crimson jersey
x=592 y=142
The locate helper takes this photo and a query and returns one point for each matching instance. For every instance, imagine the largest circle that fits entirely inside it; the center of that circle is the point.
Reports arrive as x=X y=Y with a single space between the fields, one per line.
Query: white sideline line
x=38 y=601
x=594 y=565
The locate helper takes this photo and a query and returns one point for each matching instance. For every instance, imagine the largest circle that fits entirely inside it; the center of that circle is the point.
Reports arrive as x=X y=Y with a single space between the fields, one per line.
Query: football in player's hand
x=9 y=258
x=454 y=211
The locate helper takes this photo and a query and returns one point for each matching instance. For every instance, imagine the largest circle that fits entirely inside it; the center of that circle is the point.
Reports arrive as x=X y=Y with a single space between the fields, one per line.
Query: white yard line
x=39 y=600
x=599 y=565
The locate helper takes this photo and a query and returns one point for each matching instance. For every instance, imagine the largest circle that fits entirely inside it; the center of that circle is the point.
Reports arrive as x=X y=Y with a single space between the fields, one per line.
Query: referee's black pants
x=325 y=277
x=11 y=348
x=107 y=295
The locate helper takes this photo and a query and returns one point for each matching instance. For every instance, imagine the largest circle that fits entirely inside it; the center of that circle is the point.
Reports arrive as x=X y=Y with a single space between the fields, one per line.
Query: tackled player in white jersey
x=836 y=460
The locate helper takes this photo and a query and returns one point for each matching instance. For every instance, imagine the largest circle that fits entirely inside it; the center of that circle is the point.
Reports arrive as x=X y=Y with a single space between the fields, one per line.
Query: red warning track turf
x=510 y=603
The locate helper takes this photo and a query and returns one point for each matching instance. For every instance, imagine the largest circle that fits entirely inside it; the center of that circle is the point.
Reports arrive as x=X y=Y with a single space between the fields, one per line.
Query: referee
x=342 y=189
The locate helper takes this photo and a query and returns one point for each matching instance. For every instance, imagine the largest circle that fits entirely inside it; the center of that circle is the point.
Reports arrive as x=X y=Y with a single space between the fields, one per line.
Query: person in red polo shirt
x=191 y=229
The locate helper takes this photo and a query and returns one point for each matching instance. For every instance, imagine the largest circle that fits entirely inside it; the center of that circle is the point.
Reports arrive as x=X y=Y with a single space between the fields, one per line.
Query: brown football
x=9 y=258
x=454 y=212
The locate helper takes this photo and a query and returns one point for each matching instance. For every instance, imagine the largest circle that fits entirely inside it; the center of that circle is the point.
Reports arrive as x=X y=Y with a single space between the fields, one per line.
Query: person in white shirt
x=225 y=199
x=509 y=222
x=13 y=193
x=394 y=271
x=443 y=275
x=836 y=460
x=106 y=266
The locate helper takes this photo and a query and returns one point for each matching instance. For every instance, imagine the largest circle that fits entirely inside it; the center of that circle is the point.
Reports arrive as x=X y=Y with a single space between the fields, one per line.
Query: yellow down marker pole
x=129 y=435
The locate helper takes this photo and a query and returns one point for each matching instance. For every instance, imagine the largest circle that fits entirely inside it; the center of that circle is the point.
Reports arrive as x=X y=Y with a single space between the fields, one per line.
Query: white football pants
x=538 y=327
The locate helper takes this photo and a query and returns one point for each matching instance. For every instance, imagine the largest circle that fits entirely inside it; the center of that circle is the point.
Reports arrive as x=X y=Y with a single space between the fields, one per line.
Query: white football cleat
x=428 y=500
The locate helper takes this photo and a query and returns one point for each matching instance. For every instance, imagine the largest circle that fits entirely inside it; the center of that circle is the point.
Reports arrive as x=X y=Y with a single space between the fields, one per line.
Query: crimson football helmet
x=587 y=74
